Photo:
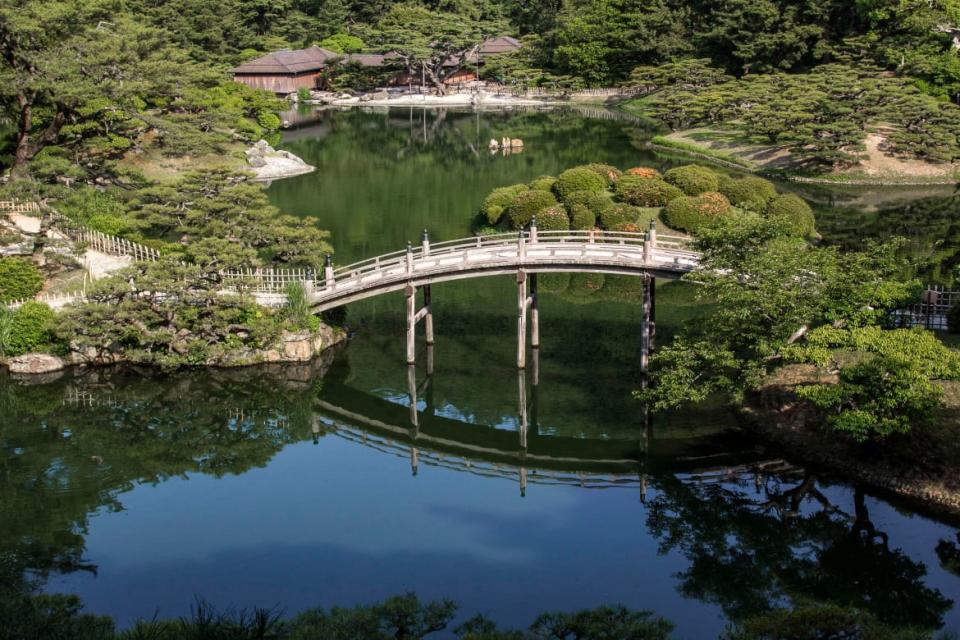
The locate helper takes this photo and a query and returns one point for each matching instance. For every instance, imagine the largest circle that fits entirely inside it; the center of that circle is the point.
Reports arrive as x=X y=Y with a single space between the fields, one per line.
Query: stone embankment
x=268 y=163
x=292 y=347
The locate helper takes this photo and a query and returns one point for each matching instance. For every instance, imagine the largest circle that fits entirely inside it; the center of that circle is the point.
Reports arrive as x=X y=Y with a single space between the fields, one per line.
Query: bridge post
x=409 y=258
x=534 y=313
x=411 y=293
x=522 y=395
x=328 y=271
x=521 y=247
x=645 y=327
x=428 y=318
x=521 y=318
x=412 y=393
x=533 y=230
x=653 y=234
x=425 y=242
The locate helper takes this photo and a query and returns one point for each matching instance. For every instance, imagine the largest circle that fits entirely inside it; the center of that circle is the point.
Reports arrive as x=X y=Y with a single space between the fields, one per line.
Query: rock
x=516 y=142
x=494 y=145
x=35 y=363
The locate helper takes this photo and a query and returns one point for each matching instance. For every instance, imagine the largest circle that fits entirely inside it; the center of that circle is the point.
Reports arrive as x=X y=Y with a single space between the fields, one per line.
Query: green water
x=314 y=485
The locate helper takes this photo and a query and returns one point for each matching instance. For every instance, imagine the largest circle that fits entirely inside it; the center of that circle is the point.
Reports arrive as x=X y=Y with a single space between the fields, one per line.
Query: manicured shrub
x=543 y=183
x=793 y=210
x=609 y=173
x=19 y=279
x=578 y=198
x=578 y=179
x=553 y=282
x=30 y=328
x=644 y=172
x=584 y=285
x=646 y=192
x=581 y=218
x=627 y=227
x=527 y=204
x=748 y=193
x=618 y=215
x=498 y=201
x=691 y=213
x=553 y=219
x=693 y=179
x=600 y=202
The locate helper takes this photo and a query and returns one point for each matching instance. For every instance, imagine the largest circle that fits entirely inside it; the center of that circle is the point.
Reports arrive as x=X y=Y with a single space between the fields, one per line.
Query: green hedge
x=498 y=201
x=543 y=183
x=581 y=218
x=693 y=179
x=691 y=214
x=581 y=198
x=793 y=210
x=553 y=219
x=748 y=193
x=578 y=179
x=527 y=204
x=646 y=192
x=609 y=173
x=30 y=329
x=19 y=279
x=600 y=202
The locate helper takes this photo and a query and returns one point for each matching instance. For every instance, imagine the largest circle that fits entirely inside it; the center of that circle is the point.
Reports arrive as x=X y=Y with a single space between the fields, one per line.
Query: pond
x=512 y=494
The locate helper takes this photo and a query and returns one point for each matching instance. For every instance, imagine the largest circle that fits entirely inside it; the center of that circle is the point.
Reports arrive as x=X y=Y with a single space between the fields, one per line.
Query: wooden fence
x=104 y=242
x=54 y=301
x=14 y=206
x=269 y=280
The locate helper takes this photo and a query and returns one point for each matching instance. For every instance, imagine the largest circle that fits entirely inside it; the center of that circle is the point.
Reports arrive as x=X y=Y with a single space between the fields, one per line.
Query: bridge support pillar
x=411 y=293
x=428 y=318
x=534 y=313
x=645 y=325
x=521 y=319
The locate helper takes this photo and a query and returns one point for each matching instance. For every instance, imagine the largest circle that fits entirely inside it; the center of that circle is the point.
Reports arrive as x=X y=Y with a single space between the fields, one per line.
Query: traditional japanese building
x=285 y=71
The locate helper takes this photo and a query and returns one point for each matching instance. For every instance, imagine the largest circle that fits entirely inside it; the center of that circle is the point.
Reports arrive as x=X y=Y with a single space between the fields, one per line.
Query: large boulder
x=35 y=363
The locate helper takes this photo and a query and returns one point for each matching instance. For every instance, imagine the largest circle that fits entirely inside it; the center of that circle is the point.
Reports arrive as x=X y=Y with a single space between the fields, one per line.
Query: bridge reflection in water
x=413 y=428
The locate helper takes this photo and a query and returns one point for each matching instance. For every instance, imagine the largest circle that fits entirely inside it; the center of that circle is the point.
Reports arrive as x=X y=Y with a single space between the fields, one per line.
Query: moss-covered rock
x=794 y=211
x=646 y=192
x=693 y=179
x=751 y=193
x=582 y=218
x=578 y=179
x=527 y=204
x=693 y=213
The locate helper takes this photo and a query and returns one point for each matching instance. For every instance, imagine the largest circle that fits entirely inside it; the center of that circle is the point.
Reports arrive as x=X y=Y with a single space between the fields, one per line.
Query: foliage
x=342 y=43
x=693 y=214
x=600 y=202
x=618 y=215
x=819 y=621
x=19 y=279
x=644 y=172
x=30 y=329
x=769 y=288
x=298 y=308
x=601 y=623
x=499 y=199
x=527 y=204
x=579 y=198
x=609 y=173
x=693 y=179
x=750 y=193
x=882 y=396
x=553 y=219
x=646 y=192
x=582 y=218
x=543 y=183
x=397 y=617
x=579 y=179
x=795 y=213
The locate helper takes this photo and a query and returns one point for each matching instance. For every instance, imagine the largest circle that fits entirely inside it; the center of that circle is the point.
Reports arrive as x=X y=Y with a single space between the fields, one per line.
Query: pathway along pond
x=304 y=486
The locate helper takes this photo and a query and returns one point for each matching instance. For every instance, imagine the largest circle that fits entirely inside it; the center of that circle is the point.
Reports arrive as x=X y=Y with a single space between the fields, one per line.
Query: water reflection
x=743 y=531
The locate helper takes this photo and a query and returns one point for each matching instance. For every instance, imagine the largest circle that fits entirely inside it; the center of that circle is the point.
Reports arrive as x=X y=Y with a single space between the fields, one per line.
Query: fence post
x=409 y=258
x=328 y=271
x=425 y=243
x=533 y=230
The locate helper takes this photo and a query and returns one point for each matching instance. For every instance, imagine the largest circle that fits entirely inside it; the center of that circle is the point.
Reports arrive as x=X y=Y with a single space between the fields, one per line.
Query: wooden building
x=285 y=71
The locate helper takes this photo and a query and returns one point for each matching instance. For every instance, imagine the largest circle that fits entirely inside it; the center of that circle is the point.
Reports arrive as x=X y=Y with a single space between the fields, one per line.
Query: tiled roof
x=288 y=61
x=370 y=59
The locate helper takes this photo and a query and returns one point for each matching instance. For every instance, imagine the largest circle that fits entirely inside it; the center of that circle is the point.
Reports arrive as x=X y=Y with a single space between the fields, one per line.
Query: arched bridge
x=648 y=255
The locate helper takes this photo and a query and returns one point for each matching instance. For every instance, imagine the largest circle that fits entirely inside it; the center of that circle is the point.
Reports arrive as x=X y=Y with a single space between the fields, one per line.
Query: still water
x=303 y=486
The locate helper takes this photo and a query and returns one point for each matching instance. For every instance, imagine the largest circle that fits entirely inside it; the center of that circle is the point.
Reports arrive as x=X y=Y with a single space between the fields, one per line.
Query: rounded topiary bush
x=646 y=192
x=19 y=279
x=582 y=218
x=693 y=179
x=609 y=173
x=553 y=282
x=619 y=215
x=584 y=285
x=543 y=183
x=527 y=204
x=794 y=211
x=692 y=213
x=600 y=202
x=553 y=219
x=578 y=179
x=578 y=198
x=627 y=227
x=748 y=193
x=644 y=172
x=30 y=329
x=498 y=201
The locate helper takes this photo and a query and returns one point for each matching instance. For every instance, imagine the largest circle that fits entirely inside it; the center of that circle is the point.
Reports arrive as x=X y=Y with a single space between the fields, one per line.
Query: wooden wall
x=281 y=84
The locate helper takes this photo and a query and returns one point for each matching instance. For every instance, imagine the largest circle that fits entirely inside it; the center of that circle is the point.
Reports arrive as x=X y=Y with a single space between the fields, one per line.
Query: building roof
x=288 y=61
x=370 y=59
x=489 y=47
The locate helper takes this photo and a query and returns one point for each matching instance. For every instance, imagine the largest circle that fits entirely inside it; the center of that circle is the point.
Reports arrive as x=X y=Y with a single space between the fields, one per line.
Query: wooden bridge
x=526 y=253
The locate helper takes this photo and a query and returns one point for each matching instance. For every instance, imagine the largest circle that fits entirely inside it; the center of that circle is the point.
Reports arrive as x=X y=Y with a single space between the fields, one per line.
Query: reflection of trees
x=788 y=544
x=71 y=448
x=930 y=225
